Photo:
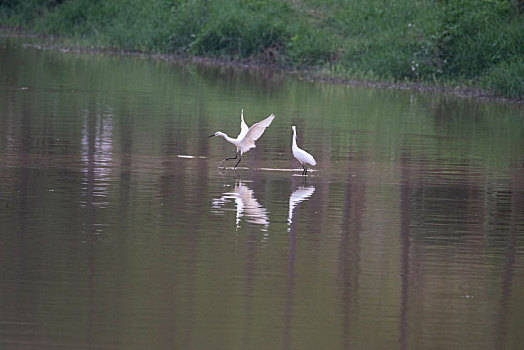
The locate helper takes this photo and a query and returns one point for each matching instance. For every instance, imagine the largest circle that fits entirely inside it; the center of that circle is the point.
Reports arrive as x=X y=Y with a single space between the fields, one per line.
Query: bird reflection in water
x=247 y=206
x=301 y=194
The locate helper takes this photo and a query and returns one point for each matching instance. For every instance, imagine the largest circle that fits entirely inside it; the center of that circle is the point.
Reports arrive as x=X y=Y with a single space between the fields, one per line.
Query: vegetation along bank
x=477 y=44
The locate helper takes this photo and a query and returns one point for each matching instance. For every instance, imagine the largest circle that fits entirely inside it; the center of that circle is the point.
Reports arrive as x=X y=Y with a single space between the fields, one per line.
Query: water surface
x=122 y=227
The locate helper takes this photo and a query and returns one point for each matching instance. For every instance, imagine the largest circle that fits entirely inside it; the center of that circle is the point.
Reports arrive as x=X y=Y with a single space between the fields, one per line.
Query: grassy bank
x=474 y=43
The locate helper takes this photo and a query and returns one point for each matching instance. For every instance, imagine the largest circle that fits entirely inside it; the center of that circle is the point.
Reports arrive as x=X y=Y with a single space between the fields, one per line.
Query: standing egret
x=302 y=156
x=247 y=137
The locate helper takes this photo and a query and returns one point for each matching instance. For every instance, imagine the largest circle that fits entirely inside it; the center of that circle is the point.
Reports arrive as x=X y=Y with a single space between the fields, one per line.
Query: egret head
x=294 y=128
x=218 y=133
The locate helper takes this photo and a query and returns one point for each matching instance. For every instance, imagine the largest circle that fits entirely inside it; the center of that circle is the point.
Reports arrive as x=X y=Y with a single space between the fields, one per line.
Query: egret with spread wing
x=302 y=156
x=247 y=137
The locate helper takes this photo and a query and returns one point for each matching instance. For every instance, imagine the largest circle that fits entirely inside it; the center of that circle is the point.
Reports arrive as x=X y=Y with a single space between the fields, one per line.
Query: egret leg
x=239 y=159
x=235 y=157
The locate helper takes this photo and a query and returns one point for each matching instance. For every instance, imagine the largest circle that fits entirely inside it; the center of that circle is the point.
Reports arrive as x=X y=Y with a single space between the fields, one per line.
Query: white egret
x=302 y=156
x=247 y=137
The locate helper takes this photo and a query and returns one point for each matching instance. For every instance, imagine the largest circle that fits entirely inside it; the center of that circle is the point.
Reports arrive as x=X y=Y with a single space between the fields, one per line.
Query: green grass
x=474 y=42
x=506 y=78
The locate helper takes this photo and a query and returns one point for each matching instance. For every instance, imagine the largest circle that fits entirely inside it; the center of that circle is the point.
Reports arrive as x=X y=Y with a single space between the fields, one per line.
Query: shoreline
x=48 y=43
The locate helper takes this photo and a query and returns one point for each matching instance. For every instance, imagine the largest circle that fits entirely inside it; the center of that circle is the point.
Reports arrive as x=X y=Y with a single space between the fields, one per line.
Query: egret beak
x=212 y=135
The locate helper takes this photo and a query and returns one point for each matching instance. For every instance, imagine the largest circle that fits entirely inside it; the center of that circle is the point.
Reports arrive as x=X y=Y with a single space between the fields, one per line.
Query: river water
x=122 y=227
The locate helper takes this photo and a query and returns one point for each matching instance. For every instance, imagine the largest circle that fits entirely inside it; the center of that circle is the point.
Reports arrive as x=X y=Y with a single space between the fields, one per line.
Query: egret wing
x=243 y=126
x=256 y=130
x=303 y=157
x=310 y=159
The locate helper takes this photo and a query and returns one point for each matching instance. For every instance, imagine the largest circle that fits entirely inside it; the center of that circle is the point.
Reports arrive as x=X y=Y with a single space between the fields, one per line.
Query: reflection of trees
x=97 y=144
x=404 y=250
x=452 y=222
x=97 y=158
x=349 y=250
x=516 y=211
x=23 y=185
x=290 y=284
x=249 y=273
x=126 y=161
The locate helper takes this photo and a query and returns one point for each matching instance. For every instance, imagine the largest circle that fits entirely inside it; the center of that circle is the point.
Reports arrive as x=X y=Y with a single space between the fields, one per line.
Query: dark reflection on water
x=348 y=253
x=121 y=228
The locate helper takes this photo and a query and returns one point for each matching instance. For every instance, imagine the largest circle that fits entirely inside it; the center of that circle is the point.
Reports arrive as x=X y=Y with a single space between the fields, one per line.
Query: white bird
x=247 y=137
x=302 y=156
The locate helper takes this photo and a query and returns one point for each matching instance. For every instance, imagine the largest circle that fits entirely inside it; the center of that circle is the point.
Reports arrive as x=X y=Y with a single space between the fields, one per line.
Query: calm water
x=122 y=227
